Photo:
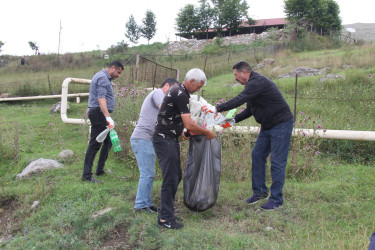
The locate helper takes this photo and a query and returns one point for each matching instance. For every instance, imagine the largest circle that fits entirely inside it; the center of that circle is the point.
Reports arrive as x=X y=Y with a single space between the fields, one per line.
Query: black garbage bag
x=202 y=173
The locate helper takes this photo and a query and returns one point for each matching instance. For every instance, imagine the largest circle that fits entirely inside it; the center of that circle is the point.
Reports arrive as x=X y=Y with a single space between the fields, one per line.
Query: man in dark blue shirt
x=269 y=108
x=101 y=103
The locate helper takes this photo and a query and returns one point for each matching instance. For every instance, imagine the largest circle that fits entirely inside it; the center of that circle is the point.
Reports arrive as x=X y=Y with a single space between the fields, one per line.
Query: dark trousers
x=98 y=124
x=168 y=154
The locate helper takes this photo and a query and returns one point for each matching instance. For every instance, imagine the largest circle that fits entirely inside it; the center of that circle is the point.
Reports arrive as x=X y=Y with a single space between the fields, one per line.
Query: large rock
x=331 y=77
x=304 y=71
x=65 y=154
x=5 y=95
x=265 y=63
x=57 y=107
x=39 y=166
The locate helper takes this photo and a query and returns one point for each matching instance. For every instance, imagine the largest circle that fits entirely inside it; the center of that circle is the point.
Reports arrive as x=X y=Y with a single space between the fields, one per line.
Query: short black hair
x=170 y=80
x=117 y=64
x=242 y=66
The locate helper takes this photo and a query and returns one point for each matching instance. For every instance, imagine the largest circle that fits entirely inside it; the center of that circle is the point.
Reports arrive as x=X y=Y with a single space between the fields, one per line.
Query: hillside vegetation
x=329 y=190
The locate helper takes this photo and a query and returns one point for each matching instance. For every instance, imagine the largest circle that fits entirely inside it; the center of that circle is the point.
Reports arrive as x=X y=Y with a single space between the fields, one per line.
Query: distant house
x=260 y=26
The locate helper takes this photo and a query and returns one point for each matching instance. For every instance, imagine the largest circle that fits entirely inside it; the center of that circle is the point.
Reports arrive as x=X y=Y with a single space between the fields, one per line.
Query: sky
x=91 y=24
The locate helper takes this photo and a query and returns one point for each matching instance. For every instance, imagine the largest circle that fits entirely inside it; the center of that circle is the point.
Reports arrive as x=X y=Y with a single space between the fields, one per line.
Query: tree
x=1 y=45
x=331 y=20
x=187 y=21
x=230 y=13
x=318 y=15
x=34 y=46
x=206 y=16
x=132 y=30
x=148 y=29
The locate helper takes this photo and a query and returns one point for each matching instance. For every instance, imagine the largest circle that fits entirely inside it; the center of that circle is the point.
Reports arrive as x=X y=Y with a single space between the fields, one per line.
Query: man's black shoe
x=92 y=180
x=151 y=209
x=178 y=219
x=170 y=224
x=100 y=173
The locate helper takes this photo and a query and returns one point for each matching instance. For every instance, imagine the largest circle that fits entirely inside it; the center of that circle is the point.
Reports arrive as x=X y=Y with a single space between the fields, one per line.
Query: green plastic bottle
x=115 y=142
x=231 y=113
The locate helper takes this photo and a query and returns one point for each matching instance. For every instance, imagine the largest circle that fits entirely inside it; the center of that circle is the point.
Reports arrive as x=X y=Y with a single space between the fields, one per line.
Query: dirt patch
x=8 y=207
x=117 y=238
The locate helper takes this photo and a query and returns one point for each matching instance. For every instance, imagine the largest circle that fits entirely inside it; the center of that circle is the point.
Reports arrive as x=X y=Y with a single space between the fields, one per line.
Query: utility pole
x=58 y=49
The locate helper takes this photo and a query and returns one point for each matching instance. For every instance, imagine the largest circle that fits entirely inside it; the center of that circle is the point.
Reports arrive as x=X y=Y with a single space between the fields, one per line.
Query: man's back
x=148 y=115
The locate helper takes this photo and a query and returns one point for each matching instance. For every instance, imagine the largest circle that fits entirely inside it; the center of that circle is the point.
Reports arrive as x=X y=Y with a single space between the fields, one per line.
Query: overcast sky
x=91 y=24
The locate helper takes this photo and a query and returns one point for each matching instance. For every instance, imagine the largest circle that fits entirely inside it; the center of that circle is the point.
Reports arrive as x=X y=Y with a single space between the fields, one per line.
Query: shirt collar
x=106 y=73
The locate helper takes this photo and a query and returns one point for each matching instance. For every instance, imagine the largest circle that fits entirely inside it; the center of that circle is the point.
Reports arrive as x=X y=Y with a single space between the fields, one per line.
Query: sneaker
x=170 y=224
x=92 y=180
x=270 y=205
x=255 y=198
x=150 y=210
x=153 y=208
x=178 y=219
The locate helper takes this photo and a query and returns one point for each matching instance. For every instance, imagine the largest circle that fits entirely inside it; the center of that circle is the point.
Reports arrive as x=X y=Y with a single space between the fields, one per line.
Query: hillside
x=365 y=31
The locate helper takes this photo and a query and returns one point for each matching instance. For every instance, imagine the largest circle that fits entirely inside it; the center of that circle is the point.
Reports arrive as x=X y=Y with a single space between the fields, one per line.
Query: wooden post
x=295 y=98
x=49 y=84
x=205 y=62
x=136 y=67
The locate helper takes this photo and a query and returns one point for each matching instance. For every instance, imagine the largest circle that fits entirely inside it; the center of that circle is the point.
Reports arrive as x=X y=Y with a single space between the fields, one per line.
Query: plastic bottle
x=231 y=113
x=101 y=137
x=114 y=139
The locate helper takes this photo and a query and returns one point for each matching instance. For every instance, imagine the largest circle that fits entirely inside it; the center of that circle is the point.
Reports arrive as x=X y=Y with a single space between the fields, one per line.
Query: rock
x=39 y=166
x=265 y=63
x=101 y=212
x=65 y=154
x=304 y=71
x=5 y=95
x=35 y=204
x=331 y=77
x=193 y=45
x=57 y=107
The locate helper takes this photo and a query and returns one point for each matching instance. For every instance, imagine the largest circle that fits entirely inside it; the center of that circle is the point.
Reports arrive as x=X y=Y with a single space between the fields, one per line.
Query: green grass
x=329 y=210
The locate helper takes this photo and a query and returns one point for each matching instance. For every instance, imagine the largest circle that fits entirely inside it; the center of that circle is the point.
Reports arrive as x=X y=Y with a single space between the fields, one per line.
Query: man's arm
x=103 y=106
x=190 y=125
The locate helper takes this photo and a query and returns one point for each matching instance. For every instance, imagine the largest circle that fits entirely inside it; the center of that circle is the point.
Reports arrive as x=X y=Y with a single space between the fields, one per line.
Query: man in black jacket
x=269 y=108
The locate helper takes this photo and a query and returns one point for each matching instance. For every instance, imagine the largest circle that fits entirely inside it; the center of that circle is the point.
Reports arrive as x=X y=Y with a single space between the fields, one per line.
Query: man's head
x=169 y=82
x=242 y=71
x=194 y=80
x=115 y=69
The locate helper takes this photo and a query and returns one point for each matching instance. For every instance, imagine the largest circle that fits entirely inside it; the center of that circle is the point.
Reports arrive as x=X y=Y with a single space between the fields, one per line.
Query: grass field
x=329 y=205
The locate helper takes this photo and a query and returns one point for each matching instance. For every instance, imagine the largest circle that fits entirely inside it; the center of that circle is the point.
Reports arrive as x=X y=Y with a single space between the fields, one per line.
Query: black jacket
x=263 y=100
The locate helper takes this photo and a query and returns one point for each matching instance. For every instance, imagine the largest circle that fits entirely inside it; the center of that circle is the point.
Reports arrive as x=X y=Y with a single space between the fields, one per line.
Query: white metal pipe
x=40 y=97
x=326 y=134
x=64 y=100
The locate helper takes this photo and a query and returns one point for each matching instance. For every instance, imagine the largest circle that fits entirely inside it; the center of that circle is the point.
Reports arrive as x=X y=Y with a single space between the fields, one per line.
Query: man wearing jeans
x=101 y=103
x=141 y=142
x=174 y=115
x=269 y=108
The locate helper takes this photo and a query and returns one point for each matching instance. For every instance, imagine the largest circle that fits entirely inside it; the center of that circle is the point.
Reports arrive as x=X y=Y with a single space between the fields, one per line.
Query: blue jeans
x=274 y=141
x=145 y=155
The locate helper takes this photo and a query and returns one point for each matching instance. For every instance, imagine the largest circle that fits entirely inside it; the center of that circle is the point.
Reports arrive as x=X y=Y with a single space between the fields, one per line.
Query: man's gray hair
x=197 y=74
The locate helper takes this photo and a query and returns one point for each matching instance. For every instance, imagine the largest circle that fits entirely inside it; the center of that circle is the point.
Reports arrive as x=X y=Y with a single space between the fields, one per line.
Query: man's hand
x=111 y=123
x=206 y=109
x=210 y=135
